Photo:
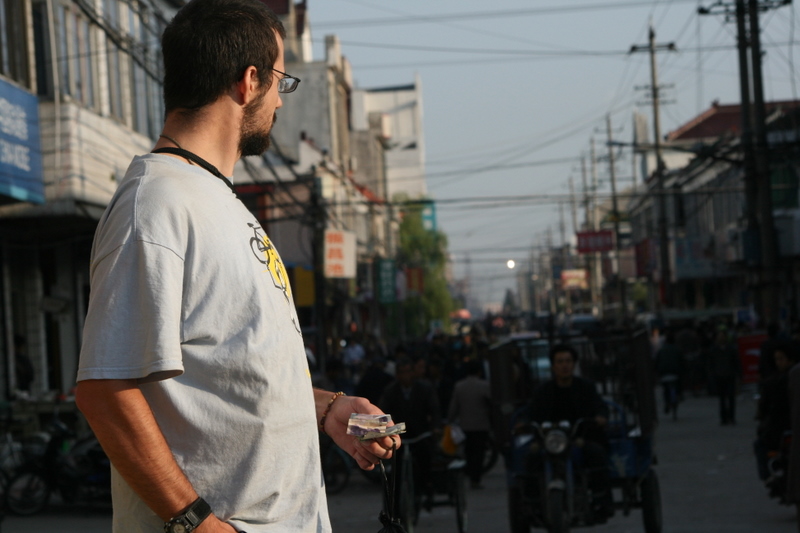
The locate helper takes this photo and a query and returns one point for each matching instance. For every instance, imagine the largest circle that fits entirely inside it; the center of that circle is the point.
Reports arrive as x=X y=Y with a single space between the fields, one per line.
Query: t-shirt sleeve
x=133 y=325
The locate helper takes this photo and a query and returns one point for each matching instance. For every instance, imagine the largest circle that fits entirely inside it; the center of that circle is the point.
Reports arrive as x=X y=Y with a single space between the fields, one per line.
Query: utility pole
x=589 y=227
x=763 y=275
x=663 y=231
x=562 y=226
x=597 y=274
x=769 y=245
x=573 y=205
x=621 y=289
x=318 y=207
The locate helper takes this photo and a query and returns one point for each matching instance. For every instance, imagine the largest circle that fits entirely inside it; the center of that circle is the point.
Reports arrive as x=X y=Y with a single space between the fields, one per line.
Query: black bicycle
x=448 y=486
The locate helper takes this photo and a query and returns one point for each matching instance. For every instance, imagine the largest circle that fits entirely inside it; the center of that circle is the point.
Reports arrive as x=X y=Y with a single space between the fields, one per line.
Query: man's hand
x=366 y=453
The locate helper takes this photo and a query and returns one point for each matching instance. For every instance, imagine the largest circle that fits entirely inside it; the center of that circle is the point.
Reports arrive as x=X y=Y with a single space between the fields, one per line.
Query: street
x=707 y=475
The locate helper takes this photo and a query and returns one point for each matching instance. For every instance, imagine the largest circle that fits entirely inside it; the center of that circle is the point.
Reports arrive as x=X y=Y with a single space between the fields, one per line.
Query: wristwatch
x=190 y=518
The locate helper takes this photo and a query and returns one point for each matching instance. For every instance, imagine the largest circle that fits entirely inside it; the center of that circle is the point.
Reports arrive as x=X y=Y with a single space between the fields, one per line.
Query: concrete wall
x=94 y=153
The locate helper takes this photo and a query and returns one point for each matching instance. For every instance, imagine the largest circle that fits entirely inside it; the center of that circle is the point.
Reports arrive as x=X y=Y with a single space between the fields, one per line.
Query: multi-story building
x=81 y=93
x=405 y=154
x=712 y=252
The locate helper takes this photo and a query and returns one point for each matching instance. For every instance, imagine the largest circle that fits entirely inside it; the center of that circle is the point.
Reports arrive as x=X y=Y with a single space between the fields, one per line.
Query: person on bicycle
x=572 y=398
x=413 y=401
x=669 y=367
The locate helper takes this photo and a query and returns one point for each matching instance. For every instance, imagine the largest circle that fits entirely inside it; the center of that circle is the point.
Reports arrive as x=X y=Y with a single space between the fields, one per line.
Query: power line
x=483 y=15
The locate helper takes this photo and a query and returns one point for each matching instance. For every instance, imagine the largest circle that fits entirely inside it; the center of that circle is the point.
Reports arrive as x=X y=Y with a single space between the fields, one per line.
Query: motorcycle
x=77 y=468
x=778 y=470
x=556 y=493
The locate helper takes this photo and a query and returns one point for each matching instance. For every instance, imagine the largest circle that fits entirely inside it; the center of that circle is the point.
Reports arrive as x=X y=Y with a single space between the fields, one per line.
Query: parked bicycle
x=76 y=468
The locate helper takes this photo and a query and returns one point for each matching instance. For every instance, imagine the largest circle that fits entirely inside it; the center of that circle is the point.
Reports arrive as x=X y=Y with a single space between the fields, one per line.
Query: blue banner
x=20 y=148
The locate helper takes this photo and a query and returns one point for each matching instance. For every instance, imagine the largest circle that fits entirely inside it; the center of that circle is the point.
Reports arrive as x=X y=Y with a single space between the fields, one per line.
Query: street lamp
x=511 y=264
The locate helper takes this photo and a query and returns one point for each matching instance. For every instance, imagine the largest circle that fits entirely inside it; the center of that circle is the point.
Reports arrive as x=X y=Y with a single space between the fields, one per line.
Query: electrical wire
x=484 y=15
x=504 y=36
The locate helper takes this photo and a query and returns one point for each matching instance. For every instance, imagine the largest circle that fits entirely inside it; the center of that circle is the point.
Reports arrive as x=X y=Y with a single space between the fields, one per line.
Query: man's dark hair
x=558 y=348
x=208 y=46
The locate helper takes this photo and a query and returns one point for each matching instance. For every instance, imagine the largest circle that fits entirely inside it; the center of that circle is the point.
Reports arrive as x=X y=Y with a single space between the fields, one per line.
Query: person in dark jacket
x=773 y=409
x=570 y=397
x=725 y=368
x=414 y=402
x=793 y=478
x=669 y=367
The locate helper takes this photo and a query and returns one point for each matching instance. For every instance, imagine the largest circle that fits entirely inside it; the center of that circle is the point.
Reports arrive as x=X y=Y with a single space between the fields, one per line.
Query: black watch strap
x=191 y=517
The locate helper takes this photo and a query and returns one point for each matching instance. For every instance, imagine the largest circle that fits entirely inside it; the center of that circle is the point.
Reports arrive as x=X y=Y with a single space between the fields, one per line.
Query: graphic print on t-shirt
x=267 y=255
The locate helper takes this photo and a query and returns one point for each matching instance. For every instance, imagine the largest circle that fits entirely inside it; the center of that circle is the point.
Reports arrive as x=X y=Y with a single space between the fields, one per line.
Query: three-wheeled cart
x=621 y=365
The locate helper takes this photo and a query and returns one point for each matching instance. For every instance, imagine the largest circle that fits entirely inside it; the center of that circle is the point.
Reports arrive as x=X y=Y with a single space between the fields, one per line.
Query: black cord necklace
x=194 y=158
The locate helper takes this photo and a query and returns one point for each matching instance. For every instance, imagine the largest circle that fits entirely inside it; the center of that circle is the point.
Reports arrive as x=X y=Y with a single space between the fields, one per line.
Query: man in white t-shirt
x=193 y=373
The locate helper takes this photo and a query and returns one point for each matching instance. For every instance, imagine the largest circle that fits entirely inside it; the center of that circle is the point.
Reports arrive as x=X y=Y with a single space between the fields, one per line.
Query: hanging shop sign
x=387 y=281
x=595 y=241
x=20 y=150
x=340 y=254
x=574 y=279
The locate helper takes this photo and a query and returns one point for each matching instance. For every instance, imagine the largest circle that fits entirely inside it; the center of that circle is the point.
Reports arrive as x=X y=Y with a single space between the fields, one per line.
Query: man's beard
x=252 y=140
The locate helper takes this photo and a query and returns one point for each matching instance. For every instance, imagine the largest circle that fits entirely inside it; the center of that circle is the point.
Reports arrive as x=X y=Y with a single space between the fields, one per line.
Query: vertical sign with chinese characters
x=20 y=151
x=340 y=254
x=387 y=281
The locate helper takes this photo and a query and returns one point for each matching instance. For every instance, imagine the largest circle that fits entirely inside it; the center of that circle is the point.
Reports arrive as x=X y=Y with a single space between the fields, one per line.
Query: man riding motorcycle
x=572 y=398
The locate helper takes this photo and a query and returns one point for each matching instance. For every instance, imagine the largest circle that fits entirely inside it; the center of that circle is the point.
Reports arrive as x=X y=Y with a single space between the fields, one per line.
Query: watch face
x=178 y=528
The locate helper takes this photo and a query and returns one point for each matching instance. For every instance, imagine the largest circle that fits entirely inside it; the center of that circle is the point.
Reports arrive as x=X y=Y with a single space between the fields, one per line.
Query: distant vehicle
x=583 y=323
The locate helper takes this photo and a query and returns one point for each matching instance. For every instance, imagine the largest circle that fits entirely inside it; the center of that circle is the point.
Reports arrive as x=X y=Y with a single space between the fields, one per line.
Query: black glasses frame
x=283 y=84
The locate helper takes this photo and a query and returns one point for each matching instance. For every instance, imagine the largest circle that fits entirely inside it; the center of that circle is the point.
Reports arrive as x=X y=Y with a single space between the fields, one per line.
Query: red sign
x=750 y=353
x=414 y=280
x=595 y=241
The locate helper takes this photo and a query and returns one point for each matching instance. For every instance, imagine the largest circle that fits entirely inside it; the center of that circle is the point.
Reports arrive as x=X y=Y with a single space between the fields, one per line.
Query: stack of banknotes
x=367 y=427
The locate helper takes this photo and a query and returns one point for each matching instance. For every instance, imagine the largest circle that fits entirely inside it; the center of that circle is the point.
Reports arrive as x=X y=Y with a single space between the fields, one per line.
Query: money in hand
x=367 y=427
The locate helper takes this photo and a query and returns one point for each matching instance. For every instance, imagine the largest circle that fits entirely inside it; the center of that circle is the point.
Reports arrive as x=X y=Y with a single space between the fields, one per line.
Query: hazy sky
x=514 y=90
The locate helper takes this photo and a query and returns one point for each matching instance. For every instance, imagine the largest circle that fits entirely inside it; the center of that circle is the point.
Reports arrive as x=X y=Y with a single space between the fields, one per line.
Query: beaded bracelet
x=328 y=410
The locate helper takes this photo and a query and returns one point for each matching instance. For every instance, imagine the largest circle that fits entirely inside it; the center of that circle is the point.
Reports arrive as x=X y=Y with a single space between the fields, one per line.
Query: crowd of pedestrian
x=707 y=358
x=429 y=384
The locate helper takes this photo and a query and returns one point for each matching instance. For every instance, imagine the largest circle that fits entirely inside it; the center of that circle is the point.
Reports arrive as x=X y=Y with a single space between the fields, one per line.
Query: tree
x=425 y=249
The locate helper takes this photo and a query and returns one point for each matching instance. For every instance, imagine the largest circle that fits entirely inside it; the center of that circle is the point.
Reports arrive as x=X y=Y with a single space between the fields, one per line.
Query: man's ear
x=247 y=87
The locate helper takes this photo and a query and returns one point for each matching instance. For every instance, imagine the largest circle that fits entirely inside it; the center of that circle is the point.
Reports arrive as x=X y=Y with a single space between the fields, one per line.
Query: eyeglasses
x=287 y=84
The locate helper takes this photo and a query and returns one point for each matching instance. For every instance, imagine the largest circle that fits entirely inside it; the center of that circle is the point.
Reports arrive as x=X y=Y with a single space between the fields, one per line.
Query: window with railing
x=13 y=41
x=107 y=59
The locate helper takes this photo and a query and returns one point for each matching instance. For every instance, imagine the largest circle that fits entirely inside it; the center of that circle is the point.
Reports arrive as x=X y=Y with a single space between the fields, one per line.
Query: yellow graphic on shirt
x=267 y=255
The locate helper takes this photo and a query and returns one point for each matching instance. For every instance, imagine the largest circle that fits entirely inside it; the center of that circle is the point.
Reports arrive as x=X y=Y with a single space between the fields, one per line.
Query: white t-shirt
x=189 y=297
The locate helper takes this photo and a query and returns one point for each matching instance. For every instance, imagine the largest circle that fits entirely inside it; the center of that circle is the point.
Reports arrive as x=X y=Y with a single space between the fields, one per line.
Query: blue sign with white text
x=429 y=216
x=20 y=147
